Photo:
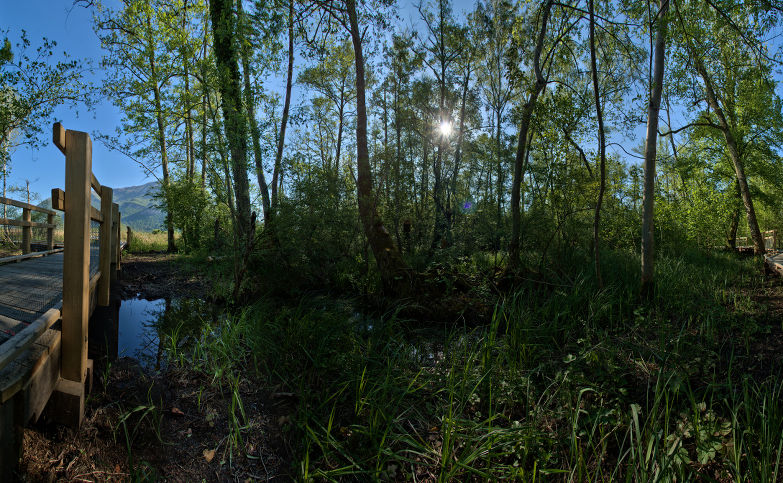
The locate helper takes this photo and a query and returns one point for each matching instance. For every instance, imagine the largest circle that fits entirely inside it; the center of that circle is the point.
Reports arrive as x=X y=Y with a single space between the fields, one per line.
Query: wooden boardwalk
x=30 y=288
x=47 y=298
x=774 y=261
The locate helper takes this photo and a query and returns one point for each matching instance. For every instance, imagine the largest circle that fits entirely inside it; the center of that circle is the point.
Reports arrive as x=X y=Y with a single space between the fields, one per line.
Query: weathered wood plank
x=115 y=240
x=17 y=375
x=44 y=377
x=10 y=438
x=19 y=258
x=96 y=215
x=775 y=262
x=58 y=199
x=95 y=184
x=58 y=136
x=26 y=337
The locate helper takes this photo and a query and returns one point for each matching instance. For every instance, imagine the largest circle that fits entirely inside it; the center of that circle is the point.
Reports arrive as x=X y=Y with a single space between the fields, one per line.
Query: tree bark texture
x=650 y=153
x=255 y=132
x=734 y=154
x=522 y=146
x=224 y=31
x=286 y=106
x=601 y=150
x=393 y=269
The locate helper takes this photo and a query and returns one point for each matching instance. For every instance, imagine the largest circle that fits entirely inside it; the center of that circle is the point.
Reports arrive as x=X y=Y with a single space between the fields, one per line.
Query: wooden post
x=27 y=230
x=104 y=283
x=50 y=232
x=128 y=238
x=11 y=415
x=76 y=276
x=115 y=239
x=119 y=240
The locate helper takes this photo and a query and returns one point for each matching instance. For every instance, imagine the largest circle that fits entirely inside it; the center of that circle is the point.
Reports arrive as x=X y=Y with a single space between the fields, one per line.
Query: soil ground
x=160 y=425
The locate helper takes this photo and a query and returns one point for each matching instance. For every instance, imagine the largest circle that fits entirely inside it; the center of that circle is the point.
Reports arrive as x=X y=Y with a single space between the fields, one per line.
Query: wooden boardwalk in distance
x=47 y=298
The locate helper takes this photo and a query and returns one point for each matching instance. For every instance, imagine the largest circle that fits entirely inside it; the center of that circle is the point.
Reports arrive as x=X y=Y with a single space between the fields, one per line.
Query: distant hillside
x=137 y=206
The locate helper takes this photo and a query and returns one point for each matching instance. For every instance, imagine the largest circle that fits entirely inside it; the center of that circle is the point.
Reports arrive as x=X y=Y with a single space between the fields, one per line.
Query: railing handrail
x=27 y=223
x=26 y=206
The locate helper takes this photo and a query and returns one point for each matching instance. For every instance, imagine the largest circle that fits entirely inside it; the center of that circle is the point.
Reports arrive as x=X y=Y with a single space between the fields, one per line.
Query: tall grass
x=144 y=242
x=567 y=382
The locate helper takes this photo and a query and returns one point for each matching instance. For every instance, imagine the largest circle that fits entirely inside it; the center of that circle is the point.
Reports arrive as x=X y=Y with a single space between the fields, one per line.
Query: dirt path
x=171 y=424
x=157 y=276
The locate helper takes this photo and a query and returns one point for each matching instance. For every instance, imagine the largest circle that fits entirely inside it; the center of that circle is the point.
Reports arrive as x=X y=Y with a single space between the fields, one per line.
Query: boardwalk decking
x=30 y=288
x=775 y=262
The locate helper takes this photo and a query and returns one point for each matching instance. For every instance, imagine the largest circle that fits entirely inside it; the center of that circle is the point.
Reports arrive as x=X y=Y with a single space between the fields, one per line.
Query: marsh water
x=140 y=321
x=146 y=329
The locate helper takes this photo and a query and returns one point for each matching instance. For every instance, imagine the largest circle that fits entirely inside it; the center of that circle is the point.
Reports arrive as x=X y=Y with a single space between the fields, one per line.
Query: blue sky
x=72 y=29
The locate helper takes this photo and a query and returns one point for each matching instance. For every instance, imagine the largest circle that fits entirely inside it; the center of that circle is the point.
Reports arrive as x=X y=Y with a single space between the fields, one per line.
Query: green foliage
x=319 y=233
x=6 y=54
x=33 y=82
x=188 y=204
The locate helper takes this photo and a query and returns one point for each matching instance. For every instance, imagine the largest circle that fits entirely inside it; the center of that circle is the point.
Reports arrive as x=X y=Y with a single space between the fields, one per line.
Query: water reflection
x=142 y=329
x=139 y=336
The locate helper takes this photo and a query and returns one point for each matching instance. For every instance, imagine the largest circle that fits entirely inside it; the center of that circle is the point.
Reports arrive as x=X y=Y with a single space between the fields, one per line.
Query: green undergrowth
x=567 y=382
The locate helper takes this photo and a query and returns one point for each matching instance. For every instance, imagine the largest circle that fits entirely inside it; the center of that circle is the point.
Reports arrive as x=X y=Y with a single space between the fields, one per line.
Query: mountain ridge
x=138 y=206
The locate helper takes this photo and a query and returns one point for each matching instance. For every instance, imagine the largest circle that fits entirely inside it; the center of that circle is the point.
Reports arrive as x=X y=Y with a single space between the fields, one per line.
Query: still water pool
x=139 y=330
x=143 y=329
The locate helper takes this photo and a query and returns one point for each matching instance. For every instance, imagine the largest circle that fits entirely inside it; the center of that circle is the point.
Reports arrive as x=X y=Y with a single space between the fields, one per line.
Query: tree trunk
x=393 y=269
x=204 y=102
x=223 y=30
x=286 y=105
x=221 y=147
x=441 y=217
x=734 y=154
x=164 y=160
x=189 y=148
x=731 y=237
x=204 y=139
x=454 y=209
x=522 y=147
x=340 y=122
x=650 y=153
x=255 y=132
x=499 y=181
x=601 y=149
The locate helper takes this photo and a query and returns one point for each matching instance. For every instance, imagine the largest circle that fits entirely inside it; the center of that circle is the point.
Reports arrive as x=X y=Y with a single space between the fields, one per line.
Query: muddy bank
x=159 y=276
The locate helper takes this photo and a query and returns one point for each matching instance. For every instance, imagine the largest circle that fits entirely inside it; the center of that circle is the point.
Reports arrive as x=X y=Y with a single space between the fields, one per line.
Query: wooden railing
x=51 y=366
x=770 y=241
x=75 y=201
x=27 y=224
